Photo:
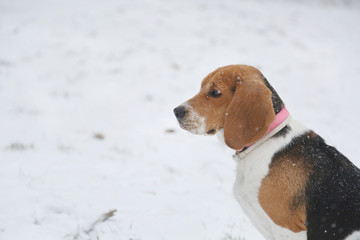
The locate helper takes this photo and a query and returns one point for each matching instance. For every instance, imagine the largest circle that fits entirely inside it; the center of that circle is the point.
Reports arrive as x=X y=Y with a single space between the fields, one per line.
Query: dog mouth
x=186 y=125
x=183 y=125
x=190 y=121
x=194 y=127
x=211 y=131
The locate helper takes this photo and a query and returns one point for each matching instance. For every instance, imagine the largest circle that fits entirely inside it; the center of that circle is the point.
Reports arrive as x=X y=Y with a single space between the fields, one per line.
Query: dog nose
x=179 y=112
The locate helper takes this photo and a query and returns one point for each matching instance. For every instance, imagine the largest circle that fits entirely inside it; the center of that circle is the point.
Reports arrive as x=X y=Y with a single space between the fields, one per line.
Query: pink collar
x=282 y=117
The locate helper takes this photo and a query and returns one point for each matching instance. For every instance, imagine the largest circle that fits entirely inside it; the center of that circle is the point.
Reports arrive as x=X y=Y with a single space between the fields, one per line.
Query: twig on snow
x=102 y=218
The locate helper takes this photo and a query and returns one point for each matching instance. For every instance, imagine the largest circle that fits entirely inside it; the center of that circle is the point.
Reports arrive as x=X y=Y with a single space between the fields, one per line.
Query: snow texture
x=87 y=90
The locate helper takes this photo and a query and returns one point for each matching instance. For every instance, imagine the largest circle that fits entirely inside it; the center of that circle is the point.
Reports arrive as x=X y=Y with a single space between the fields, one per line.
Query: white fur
x=220 y=135
x=251 y=169
x=354 y=236
x=193 y=122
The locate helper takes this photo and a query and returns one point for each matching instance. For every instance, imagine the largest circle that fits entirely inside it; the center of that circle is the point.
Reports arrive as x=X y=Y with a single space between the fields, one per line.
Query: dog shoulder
x=312 y=186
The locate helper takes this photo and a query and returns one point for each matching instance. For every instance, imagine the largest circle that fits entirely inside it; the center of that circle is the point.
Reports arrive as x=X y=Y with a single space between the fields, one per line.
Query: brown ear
x=249 y=114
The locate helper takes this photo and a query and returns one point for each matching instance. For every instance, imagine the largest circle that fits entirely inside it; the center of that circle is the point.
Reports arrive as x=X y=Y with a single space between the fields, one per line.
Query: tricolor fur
x=292 y=185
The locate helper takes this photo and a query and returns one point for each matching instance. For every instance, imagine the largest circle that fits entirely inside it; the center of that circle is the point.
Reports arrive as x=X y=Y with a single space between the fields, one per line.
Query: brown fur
x=282 y=192
x=244 y=110
x=249 y=114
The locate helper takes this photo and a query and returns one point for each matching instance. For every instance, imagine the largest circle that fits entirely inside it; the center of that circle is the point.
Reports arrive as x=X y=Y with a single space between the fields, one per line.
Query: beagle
x=289 y=182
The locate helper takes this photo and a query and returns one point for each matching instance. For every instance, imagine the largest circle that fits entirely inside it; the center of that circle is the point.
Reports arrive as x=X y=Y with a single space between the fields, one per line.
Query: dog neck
x=281 y=120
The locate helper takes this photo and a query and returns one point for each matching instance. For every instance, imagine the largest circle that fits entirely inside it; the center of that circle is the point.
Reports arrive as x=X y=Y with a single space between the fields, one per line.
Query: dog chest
x=249 y=175
x=251 y=170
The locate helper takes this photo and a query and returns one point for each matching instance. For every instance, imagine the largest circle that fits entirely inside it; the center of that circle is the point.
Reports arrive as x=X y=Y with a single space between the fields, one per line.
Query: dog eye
x=214 y=93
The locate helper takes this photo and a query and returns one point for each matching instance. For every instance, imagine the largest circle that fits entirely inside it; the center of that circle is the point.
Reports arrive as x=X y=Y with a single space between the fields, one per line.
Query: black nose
x=179 y=112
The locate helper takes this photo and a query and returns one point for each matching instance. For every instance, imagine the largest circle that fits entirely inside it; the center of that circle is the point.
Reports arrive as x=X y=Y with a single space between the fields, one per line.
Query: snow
x=87 y=90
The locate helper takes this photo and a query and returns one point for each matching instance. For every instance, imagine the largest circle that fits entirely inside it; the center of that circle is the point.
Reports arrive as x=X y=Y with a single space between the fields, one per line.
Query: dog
x=289 y=182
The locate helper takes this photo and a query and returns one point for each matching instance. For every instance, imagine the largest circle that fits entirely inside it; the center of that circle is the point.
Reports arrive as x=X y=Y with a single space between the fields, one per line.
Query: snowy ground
x=87 y=90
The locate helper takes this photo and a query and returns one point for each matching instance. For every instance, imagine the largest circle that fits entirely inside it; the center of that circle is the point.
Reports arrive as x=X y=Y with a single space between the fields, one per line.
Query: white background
x=72 y=69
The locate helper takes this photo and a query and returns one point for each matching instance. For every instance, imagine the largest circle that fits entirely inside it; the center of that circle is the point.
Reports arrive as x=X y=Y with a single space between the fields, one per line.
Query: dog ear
x=249 y=114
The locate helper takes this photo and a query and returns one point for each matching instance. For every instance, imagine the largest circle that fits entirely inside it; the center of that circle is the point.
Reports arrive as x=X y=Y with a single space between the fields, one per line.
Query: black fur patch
x=333 y=190
x=276 y=100
x=278 y=104
x=283 y=132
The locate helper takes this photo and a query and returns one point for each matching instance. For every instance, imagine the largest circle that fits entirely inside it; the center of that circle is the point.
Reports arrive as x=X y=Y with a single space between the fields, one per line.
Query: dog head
x=235 y=98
